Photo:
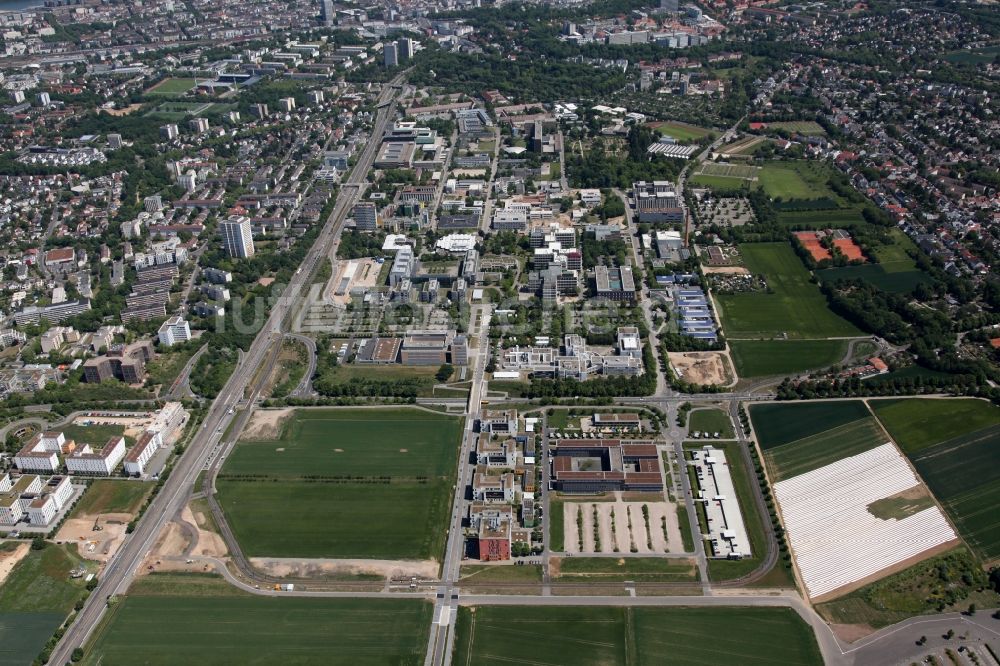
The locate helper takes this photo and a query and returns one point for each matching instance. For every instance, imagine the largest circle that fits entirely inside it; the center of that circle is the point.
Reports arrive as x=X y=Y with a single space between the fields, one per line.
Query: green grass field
x=806 y=127
x=794 y=180
x=421 y=376
x=344 y=484
x=639 y=569
x=764 y=358
x=795 y=307
x=34 y=600
x=226 y=628
x=821 y=219
x=916 y=423
x=172 y=86
x=782 y=423
x=683 y=131
x=600 y=635
x=112 y=496
x=813 y=452
x=899 y=282
x=95 y=435
x=711 y=421
x=719 y=183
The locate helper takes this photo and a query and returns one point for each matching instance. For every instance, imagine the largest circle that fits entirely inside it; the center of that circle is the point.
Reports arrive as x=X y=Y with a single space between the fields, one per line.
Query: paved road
x=304 y=387
x=181 y=386
x=119 y=572
x=441 y=636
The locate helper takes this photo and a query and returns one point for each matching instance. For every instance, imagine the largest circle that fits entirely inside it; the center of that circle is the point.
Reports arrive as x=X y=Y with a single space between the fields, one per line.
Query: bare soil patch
x=851 y=632
x=98 y=545
x=10 y=558
x=266 y=423
x=726 y=270
x=316 y=568
x=659 y=512
x=701 y=367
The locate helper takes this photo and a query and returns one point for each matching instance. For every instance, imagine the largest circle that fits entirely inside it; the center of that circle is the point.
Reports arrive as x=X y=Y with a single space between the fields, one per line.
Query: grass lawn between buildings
x=188 y=620
x=599 y=635
x=711 y=421
x=112 y=496
x=351 y=483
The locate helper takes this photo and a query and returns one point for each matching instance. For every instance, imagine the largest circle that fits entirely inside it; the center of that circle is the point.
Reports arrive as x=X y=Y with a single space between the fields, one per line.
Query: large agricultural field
x=820 y=449
x=345 y=483
x=793 y=308
x=201 y=620
x=955 y=446
x=783 y=423
x=35 y=599
x=598 y=635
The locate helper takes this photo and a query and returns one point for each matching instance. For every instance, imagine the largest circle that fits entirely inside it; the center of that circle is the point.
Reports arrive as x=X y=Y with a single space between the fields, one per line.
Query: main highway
x=174 y=494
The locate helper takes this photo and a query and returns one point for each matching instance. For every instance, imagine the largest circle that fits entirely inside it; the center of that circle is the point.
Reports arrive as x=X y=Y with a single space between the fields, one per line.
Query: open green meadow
x=164 y=627
x=720 y=183
x=973 y=56
x=711 y=421
x=172 y=86
x=804 y=455
x=779 y=423
x=794 y=180
x=112 y=496
x=794 y=307
x=765 y=358
x=373 y=483
x=35 y=599
x=599 y=635
x=916 y=423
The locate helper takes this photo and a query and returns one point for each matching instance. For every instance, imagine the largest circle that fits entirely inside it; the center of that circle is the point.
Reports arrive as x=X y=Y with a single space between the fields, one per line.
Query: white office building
x=173 y=331
x=86 y=460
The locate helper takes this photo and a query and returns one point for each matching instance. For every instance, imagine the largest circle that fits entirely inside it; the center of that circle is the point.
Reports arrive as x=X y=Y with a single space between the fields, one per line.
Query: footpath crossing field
x=349 y=483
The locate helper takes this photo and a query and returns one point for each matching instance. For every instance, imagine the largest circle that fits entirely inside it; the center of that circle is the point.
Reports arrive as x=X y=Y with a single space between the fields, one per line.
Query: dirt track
x=9 y=559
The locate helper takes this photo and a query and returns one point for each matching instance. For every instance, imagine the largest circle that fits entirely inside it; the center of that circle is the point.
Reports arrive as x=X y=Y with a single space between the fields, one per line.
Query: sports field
x=191 y=626
x=34 y=600
x=783 y=423
x=351 y=483
x=599 y=635
x=683 y=131
x=821 y=219
x=793 y=307
x=711 y=421
x=824 y=448
x=794 y=180
x=172 y=86
x=719 y=183
x=764 y=358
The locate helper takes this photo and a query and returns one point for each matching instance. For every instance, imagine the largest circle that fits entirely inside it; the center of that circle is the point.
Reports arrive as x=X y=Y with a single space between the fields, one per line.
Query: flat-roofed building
x=498 y=422
x=140 y=454
x=102 y=462
x=499 y=488
x=615 y=283
x=496 y=452
x=173 y=331
x=379 y=350
x=425 y=348
x=40 y=453
x=598 y=465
